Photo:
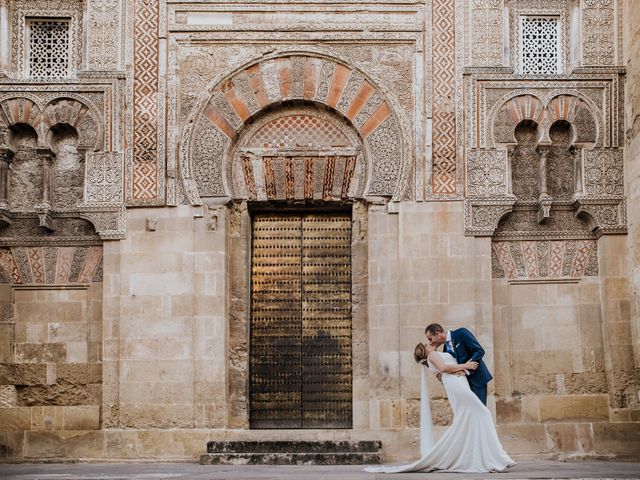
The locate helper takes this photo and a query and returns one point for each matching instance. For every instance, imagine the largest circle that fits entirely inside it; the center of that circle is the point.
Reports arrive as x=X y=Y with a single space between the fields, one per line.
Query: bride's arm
x=437 y=362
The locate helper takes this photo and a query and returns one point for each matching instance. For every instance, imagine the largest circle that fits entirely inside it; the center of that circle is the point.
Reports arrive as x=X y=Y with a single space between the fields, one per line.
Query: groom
x=464 y=347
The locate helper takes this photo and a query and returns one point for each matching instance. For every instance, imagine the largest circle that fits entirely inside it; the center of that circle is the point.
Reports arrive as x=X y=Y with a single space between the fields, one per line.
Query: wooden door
x=300 y=332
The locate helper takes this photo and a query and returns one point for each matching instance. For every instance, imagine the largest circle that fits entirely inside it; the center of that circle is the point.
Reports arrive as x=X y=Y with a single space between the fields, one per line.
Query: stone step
x=292 y=453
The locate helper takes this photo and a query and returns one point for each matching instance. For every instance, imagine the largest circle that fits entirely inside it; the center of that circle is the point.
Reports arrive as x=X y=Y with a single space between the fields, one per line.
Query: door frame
x=239 y=302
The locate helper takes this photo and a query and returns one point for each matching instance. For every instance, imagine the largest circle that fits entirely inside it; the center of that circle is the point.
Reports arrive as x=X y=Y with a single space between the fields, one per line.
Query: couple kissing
x=470 y=444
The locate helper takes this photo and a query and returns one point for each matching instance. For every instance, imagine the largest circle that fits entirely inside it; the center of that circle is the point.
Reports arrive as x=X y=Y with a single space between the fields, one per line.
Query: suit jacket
x=467 y=348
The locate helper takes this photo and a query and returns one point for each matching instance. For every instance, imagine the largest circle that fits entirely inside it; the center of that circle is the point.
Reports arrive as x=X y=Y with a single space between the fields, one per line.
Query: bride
x=470 y=444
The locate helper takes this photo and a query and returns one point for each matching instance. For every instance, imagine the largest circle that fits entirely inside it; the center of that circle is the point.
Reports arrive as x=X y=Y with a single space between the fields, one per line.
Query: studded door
x=300 y=337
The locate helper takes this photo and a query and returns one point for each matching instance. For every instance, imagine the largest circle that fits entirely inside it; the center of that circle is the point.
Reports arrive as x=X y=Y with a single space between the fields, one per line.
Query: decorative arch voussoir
x=80 y=116
x=17 y=110
x=298 y=76
x=511 y=112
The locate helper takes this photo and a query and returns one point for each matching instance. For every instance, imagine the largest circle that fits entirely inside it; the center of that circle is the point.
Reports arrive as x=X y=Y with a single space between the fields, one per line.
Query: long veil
x=426 y=431
x=426 y=423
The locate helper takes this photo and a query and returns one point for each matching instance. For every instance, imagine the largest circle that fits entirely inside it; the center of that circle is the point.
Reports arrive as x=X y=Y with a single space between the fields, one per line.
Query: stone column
x=47 y=157
x=4 y=36
x=5 y=158
x=544 y=200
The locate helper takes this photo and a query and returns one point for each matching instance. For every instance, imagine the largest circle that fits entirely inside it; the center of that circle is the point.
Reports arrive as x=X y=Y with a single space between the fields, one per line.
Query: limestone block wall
x=50 y=362
x=632 y=162
x=164 y=329
x=422 y=269
x=564 y=374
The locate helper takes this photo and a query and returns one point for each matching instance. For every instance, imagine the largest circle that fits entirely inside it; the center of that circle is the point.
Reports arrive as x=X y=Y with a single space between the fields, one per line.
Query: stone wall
x=632 y=162
x=146 y=354
x=50 y=370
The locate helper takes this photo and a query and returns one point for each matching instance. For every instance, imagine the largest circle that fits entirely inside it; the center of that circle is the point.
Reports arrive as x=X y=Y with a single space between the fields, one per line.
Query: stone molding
x=313 y=79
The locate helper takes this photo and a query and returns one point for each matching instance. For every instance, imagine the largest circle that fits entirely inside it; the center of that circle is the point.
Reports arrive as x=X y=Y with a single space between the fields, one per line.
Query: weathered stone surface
x=8 y=396
x=15 y=418
x=61 y=393
x=585 y=407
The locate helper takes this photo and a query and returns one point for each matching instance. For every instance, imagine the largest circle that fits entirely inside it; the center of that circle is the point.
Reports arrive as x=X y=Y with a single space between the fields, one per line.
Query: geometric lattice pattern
x=145 y=98
x=295 y=131
x=443 y=178
x=49 y=50
x=540 y=45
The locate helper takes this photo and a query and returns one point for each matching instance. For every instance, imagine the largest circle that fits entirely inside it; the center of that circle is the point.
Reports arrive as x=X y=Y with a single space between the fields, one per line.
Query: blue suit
x=466 y=348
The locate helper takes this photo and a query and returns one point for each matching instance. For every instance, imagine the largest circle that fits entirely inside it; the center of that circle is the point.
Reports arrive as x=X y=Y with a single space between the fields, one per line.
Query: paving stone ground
x=179 y=471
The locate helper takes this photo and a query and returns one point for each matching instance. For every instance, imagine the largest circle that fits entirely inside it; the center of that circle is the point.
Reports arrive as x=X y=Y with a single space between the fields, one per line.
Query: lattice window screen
x=49 y=50
x=540 y=50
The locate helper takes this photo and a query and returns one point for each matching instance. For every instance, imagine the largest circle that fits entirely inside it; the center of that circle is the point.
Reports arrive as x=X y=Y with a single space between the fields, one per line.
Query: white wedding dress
x=470 y=444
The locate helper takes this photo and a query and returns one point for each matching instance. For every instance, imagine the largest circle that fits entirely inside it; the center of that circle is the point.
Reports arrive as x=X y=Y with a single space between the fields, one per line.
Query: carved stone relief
x=47 y=137
x=487 y=32
x=487 y=173
x=298 y=153
x=598 y=22
x=544 y=259
x=103 y=34
x=68 y=169
x=325 y=81
x=525 y=162
x=561 y=162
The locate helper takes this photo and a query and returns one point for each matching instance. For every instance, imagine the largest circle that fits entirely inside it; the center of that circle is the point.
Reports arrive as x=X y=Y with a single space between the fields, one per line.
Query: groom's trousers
x=481 y=392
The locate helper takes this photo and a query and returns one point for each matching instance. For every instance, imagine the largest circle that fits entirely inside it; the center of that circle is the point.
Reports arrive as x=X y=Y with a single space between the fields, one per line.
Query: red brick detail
x=269 y=178
x=26 y=113
x=236 y=102
x=338 y=82
x=247 y=170
x=374 y=121
x=311 y=74
x=219 y=121
x=255 y=79
x=285 y=78
x=13 y=105
x=364 y=92
x=513 y=111
x=289 y=178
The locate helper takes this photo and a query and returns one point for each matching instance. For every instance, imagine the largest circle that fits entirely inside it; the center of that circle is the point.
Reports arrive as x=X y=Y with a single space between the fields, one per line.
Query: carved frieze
x=50 y=265
x=544 y=259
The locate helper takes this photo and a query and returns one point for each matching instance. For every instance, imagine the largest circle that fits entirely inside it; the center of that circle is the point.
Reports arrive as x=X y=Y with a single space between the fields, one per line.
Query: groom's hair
x=433 y=329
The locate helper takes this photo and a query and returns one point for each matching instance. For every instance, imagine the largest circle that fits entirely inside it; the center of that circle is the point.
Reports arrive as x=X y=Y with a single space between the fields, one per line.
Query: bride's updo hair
x=420 y=353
